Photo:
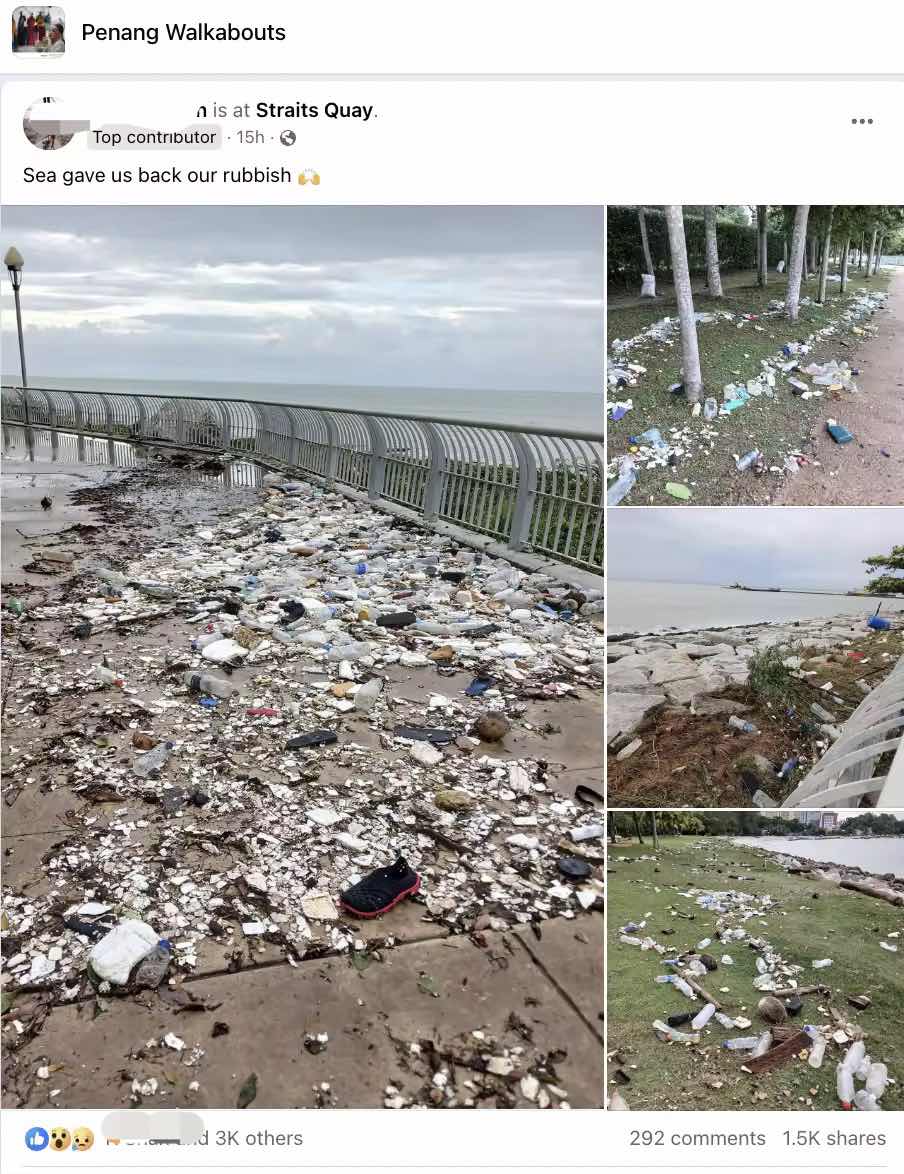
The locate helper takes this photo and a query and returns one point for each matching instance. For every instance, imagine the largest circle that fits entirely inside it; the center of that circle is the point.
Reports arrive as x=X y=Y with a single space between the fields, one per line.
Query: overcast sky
x=505 y=298
x=781 y=547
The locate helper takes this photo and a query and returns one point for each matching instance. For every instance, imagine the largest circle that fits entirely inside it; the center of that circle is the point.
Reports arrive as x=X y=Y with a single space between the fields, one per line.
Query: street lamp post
x=15 y=263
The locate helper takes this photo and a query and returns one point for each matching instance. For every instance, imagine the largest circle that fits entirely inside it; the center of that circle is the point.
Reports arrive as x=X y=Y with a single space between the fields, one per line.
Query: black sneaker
x=381 y=890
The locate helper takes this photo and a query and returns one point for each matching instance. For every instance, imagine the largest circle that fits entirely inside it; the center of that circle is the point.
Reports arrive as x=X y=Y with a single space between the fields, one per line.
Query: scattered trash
x=838 y=432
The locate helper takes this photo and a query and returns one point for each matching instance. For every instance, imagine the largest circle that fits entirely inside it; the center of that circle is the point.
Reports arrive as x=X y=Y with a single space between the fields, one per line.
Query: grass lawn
x=729 y=353
x=687 y=759
x=813 y=919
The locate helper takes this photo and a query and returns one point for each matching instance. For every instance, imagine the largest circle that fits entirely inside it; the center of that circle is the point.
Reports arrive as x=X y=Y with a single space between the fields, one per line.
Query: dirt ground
x=870 y=469
x=687 y=759
x=403 y=1009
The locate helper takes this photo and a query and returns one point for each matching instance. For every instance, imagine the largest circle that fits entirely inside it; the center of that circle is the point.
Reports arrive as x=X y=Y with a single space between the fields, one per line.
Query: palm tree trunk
x=637 y=831
x=648 y=288
x=713 y=278
x=785 y=253
x=693 y=379
x=762 y=239
x=796 y=267
x=826 y=254
x=655 y=833
x=845 y=255
x=860 y=255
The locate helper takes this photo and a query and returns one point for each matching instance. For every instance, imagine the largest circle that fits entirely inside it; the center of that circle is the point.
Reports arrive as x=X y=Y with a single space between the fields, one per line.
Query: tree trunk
x=636 y=818
x=645 y=245
x=713 y=277
x=814 y=263
x=693 y=380
x=878 y=257
x=860 y=255
x=845 y=255
x=796 y=267
x=826 y=254
x=655 y=833
x=872 y=249
x=762 y=238
x=785 y=252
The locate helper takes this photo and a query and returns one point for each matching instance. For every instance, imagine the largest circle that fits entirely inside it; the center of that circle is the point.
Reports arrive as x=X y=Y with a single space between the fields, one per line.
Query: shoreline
x=827 y=868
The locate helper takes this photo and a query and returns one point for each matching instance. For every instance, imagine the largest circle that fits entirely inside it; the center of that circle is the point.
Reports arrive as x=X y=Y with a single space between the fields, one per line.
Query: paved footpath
x=869 y=470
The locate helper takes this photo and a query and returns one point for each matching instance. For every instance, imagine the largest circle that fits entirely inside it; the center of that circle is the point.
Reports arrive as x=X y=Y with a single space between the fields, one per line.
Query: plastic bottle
x=748 y=460
x=877 y=1079
x=738 y=723
x=763 y=1044
x=724 y=1020
x=817 y=1048
x=155 y=590
x=670 y=1034
x=627 y=479
x=679 y=984
x=366 y=696
x=742 y=1043
x=710 y=408
x=206 y=638
x=153 y=970
x=352 y=651
x=653 y=437
x=208 y=683
x=844 y=1084
x=866 y=1102
x=151 y=763
x=317 y=612
x=854 y=1056
x=107 y=676
x=703 y=1016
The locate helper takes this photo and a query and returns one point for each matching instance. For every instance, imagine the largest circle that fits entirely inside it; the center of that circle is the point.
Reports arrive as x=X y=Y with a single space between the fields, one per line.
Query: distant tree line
x=643 y=825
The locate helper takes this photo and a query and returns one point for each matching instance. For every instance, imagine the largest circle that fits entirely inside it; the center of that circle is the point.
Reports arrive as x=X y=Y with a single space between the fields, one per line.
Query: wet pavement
x=236 y=853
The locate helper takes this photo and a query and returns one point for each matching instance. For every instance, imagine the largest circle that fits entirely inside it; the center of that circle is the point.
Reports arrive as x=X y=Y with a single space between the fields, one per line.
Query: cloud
x=477 y=298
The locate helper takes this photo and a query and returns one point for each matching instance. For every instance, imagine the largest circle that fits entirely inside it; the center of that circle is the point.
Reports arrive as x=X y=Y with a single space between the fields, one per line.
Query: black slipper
x=380 y=890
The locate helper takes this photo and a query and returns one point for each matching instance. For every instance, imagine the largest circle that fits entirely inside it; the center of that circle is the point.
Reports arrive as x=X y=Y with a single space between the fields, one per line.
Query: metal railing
x=530 y=489
x=871 y=740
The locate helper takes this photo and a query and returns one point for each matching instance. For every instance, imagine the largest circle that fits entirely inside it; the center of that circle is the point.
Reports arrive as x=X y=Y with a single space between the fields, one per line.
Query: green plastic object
x=677 y=490
x=16 y=606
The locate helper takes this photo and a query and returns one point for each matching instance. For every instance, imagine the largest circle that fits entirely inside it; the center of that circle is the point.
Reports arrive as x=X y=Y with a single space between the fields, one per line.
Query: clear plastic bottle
x=710 y=408
x=206 y=638
x=671 y=1034
x=763 y=1044
x=107 y=676
x=703 y=1016
x=744 y=727
x=741 y=1043
x=155 y=590
x=844 y=1084
x=817 y=1048
x=366 y=696
x=854 y=1056
x=679 y=984
x=724 y=1020
x=151 y=972
x=866 y=1102
x=208 y=683
x=877 y=1079
x=151 y=763
x=748 y=460
x=622 y=486
x=353 y=651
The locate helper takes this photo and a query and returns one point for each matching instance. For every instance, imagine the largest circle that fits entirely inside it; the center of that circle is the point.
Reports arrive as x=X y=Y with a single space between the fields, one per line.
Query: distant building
x=825 y=821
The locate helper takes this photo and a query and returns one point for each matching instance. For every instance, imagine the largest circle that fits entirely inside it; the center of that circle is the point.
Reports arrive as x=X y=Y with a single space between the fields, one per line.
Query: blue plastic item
x=480 y=685
x=839 y=433
x=209 y=702
x=878 y=623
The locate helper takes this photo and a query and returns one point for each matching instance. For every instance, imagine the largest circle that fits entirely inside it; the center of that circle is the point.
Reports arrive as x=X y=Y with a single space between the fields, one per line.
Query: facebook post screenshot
x=452 y=607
